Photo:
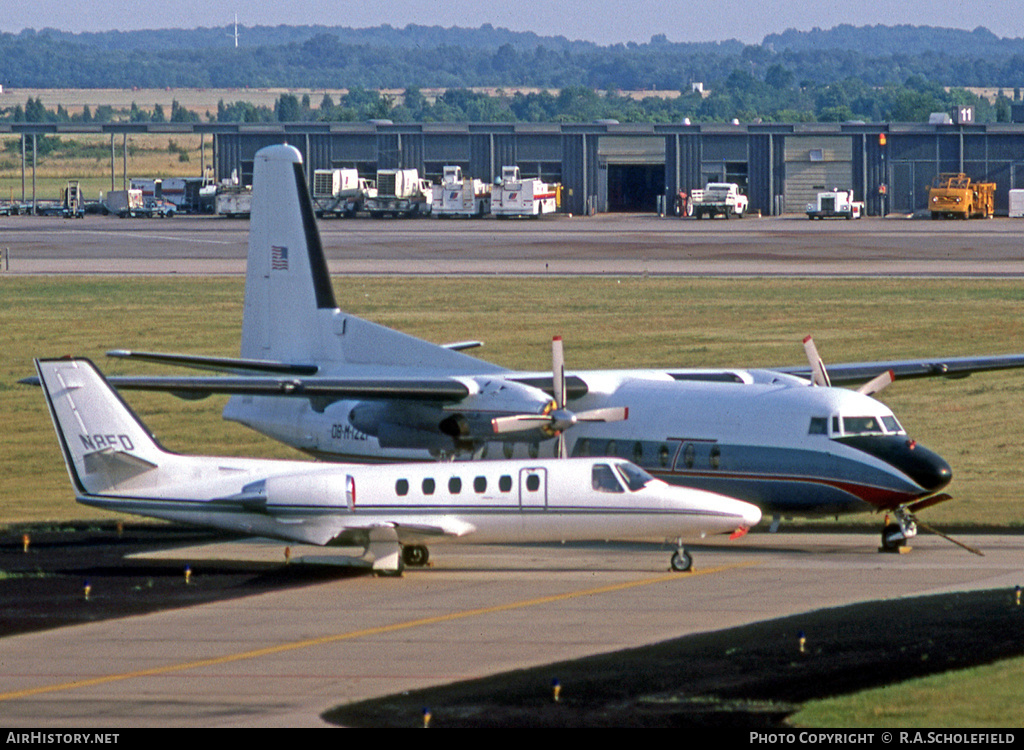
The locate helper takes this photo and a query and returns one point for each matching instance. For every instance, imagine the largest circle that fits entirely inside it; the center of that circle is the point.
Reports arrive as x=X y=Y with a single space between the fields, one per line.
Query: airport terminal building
x=609 y=167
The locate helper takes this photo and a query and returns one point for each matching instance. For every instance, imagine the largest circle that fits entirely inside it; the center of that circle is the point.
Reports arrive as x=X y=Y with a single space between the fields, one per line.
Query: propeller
x=556 y=419
x=819 y=375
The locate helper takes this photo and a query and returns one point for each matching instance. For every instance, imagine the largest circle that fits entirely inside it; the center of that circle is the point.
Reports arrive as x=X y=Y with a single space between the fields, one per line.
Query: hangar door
x=815 y=164
x=631 y=173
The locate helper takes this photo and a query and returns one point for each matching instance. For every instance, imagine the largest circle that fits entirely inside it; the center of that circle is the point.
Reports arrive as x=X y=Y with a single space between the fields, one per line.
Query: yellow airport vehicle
x=954 y=195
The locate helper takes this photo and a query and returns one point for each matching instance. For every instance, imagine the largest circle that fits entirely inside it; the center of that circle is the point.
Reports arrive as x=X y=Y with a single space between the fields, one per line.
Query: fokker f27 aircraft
x=392 y=511
x=340 y=387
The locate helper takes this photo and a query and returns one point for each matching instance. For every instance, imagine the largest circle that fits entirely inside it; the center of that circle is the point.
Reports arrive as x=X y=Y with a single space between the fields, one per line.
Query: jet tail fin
x=104 y=443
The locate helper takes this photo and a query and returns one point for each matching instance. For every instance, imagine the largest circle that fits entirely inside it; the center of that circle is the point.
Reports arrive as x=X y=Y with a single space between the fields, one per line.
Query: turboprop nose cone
x=925 y=467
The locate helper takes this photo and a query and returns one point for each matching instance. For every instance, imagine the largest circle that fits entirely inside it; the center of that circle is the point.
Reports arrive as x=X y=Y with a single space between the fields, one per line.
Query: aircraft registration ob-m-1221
x=336 y=386
x=392 y=510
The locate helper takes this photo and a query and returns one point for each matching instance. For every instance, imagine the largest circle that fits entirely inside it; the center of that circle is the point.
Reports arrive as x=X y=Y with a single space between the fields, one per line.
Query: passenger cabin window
x=533 y=482
x=480 y=485
x=505 y=483
x=455 y=485
x=603 y=479
x=429 y=485
x=402 y=487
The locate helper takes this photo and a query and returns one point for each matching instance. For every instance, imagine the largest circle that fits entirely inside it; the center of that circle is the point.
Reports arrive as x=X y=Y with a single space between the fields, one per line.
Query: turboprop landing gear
x=682 y=561
x=895 y=535
x=415 y=555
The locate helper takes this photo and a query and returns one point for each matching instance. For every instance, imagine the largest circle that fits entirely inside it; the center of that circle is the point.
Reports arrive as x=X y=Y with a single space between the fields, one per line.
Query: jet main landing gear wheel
x=415 y=555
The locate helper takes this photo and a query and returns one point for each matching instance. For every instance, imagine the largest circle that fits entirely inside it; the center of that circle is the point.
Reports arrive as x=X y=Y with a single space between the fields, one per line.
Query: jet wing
x=333 y=389
x=908 y=369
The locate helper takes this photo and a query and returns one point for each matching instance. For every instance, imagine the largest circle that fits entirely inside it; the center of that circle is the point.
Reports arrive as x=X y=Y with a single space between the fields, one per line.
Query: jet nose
x=751 y=514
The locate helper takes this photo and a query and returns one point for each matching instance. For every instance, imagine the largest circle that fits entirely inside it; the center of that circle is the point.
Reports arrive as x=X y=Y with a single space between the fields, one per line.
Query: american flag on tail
x=278 y=258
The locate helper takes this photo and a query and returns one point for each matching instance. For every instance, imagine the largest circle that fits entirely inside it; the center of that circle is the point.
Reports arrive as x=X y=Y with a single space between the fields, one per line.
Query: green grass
x=982 y=697
x=606 y=323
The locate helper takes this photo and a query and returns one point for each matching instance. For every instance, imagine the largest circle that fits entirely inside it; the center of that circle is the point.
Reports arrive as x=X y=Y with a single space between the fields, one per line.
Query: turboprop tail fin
x=290 y=311
x=104 y=444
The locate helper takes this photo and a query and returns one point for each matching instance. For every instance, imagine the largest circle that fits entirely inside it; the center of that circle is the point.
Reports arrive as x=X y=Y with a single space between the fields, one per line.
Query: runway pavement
x=608 y=244
x=281 y=659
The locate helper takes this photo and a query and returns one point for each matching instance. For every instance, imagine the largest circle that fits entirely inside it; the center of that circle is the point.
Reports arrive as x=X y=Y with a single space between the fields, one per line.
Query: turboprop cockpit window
x=603 y=479
x=862 y=426
x=636 y=478
x=892 y=425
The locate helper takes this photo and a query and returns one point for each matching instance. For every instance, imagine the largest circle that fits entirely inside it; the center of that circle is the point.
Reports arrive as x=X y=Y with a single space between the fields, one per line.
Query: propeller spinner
x=556 y=419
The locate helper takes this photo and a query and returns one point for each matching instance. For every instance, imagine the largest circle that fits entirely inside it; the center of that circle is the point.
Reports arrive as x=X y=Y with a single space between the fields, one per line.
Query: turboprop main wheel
x=892 y=537
x=415 y=555
x=682 y=561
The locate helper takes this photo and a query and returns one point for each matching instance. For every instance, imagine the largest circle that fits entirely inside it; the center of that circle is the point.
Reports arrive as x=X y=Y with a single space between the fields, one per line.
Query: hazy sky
x=602 y=21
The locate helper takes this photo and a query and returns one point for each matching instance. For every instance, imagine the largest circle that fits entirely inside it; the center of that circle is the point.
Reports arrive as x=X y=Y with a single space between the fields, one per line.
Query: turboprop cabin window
x=603 y=479
x=505 y=483
x=402 y=487
x=480 y=485
x=455 y=485
x=428 y=486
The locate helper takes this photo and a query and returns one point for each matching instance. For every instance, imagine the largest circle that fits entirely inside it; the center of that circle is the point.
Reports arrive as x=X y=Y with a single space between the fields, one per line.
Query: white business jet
x=343 y=388
x=392 y=511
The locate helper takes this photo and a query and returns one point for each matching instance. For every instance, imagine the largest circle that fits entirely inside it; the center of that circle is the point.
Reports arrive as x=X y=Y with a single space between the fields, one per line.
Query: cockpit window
x=862 y=426
x=603 y=479
x=819 y=426
x=636 y=478
x=892 y=424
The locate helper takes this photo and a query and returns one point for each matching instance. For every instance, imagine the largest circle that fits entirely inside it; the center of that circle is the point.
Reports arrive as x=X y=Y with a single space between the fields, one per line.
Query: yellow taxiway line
x=382 y=629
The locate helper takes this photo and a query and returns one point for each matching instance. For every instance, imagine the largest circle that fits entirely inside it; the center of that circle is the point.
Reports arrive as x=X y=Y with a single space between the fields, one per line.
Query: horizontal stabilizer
x=219 y=364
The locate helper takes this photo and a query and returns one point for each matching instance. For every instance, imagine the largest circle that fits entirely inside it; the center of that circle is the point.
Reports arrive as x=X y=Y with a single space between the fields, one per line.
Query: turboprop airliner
x=334 y=385
x=391 y=510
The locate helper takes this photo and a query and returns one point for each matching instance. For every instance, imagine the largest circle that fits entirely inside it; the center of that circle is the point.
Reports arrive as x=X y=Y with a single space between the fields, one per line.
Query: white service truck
x=124 y=203
x=719 y=198
x=340 y=192
x=458 y=196
x=835 y=204
x=514 y=196
x=400 y=192
x=234 y=201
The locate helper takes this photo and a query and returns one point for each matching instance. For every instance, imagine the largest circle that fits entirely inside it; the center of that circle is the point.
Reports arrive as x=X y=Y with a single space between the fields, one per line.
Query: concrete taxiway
x=281 y=659
x=607 y=244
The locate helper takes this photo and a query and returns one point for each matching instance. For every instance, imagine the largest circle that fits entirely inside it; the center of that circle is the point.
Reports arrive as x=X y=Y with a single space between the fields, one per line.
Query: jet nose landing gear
x=681 y=561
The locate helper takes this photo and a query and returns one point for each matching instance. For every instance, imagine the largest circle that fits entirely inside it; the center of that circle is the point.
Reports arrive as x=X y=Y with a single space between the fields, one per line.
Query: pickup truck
x=717 y=198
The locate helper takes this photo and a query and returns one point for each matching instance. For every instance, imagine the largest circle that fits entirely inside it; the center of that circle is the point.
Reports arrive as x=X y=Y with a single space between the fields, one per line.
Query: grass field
x=609 y=323
x=983 y=697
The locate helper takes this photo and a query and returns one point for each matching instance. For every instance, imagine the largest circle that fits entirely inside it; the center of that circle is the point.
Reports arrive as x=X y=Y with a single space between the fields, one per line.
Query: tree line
x=793 y=77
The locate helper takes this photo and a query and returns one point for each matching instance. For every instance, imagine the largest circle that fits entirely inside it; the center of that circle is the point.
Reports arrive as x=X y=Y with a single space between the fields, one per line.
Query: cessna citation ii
x=392 y=510
x=326 y=382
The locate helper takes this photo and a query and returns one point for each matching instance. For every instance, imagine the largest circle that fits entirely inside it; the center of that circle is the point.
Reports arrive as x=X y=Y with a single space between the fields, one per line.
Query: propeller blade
x=520 y=423
x=817 y=366
x=877 y=383
x=608 y=414
x=558 y=371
